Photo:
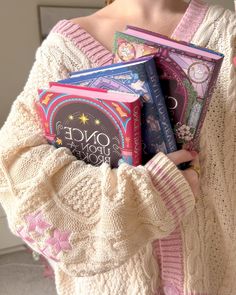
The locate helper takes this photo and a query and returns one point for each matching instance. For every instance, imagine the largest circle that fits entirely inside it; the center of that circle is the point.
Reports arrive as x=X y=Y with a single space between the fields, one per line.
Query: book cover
x=187 y=73
x=96 y=125
x=139 y=77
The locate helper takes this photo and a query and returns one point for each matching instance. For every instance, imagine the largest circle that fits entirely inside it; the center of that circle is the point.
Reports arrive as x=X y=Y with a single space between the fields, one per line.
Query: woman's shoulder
x=218 y=14
x=93 y=21
x=77 y=29
x=87 y=23
x=81 y=36
x=224 y=22
x=101 y=26
x=218 y=27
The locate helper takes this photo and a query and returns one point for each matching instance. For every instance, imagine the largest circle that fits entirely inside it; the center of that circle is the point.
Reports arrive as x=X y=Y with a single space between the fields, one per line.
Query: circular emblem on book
x=126 y=51
x=198 y=72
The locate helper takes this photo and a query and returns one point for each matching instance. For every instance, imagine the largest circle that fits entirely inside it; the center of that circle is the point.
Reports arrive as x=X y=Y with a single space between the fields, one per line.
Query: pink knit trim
x=90 y=47
x=168 y=253
x=191 y=20
x=166 y=185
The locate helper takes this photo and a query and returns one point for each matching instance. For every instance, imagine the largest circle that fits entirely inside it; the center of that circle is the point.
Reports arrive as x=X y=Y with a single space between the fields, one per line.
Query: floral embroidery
x=36 y=223
x=60 y=241
x=47 y=253
x=23 y=233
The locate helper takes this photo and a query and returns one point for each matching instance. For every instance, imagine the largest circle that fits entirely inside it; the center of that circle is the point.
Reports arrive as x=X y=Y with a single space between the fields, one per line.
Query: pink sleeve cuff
x=172 y=186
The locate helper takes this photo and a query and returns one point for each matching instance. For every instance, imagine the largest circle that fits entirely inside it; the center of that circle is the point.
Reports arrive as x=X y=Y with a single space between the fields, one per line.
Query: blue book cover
x=138 y=77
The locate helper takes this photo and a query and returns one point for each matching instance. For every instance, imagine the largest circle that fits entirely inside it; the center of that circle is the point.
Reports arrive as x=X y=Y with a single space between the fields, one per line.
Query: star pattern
x=97 y=122
x=47 y=253
x=59 y=141
x=60 y=241
x=23 y=233
x=71 y=117
x=84 y=119
x=36 y=223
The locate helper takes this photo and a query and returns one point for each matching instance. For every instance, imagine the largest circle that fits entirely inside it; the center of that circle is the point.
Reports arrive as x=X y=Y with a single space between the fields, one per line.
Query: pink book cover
x=98 y=126
x=187 y=73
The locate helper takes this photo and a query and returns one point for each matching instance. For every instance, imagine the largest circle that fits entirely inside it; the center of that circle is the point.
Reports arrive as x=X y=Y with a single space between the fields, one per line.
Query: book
x=138 y=77
x=188 y=74
x=98 y=126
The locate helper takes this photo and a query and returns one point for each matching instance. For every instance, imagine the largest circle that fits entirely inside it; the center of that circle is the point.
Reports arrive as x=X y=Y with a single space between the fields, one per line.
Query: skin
x=148 y=14
x=160 y=16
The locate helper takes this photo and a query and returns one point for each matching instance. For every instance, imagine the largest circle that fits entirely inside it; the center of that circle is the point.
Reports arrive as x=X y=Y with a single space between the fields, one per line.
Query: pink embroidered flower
x=36 y=223
x=23 y=233
x=47 y=253
x=60 y=241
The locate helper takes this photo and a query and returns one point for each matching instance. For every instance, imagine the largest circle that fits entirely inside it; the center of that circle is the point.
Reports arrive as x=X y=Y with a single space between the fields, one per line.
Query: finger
x=192 y=177
x=182 y=156
x=195 y=167
x=195 y=162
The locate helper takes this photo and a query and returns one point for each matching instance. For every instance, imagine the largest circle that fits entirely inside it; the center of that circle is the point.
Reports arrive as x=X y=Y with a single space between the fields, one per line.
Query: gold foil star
x=83 y=119
x=97 y=122
x=59 y=141
x=71 y=117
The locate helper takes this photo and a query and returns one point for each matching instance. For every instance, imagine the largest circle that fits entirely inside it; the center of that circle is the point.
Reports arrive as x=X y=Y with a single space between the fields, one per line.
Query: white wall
x=227 y=3
x=20 y=38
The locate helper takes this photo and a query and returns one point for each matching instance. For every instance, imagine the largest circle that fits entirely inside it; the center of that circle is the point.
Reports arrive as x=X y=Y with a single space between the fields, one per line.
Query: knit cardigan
x=130 y=230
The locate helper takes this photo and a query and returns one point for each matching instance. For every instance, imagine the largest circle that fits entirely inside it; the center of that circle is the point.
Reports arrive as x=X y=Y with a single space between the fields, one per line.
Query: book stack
x=187 y=74
x=153 y=98
x=138 y=77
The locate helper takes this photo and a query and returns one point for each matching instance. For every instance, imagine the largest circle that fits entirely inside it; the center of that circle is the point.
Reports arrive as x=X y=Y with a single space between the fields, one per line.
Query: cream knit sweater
x=97 y=225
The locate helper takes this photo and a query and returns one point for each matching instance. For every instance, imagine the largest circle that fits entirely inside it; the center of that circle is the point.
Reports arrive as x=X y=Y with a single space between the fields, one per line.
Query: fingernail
x=193 y=153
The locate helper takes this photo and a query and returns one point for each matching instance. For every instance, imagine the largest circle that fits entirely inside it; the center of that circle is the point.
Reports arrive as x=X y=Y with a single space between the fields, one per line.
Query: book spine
x=39 y=103
x=39 y=110
x=161 y=108
x=208 y=95
x=135 y=134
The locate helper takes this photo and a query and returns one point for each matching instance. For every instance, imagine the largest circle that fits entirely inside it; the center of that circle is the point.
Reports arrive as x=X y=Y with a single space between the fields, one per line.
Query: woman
x=100 y=226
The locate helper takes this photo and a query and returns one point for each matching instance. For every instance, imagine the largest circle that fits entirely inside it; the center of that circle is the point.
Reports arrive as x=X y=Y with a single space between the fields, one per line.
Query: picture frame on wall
x=48 y=16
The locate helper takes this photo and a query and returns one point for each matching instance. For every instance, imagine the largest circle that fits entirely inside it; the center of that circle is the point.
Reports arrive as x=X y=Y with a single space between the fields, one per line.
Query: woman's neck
x=149 y=10
x=160 y=16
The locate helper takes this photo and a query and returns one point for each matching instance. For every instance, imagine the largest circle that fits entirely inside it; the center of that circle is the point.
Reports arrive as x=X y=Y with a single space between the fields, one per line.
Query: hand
x=190 y=175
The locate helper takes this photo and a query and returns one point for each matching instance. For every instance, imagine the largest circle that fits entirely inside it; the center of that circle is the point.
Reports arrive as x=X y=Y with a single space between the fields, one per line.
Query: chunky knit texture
x=99 y=226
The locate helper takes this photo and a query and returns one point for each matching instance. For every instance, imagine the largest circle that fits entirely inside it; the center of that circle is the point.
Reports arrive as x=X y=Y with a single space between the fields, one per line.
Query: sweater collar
x=190 y=21
x=100 y=56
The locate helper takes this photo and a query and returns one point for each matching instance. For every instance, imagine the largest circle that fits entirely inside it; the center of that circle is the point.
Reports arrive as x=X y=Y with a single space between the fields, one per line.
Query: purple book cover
x=187 y=75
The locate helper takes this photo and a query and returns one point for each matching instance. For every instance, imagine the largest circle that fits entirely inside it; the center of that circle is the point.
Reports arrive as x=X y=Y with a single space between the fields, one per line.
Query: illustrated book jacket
x=187 y=73
x=138 y=77
x=96 y=125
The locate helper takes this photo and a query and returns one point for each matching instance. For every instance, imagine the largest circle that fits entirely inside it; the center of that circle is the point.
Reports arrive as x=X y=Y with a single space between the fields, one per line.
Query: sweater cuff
x=172 y=186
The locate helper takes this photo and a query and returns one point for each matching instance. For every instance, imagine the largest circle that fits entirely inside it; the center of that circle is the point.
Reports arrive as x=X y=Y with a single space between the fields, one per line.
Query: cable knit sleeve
x=86 y=219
